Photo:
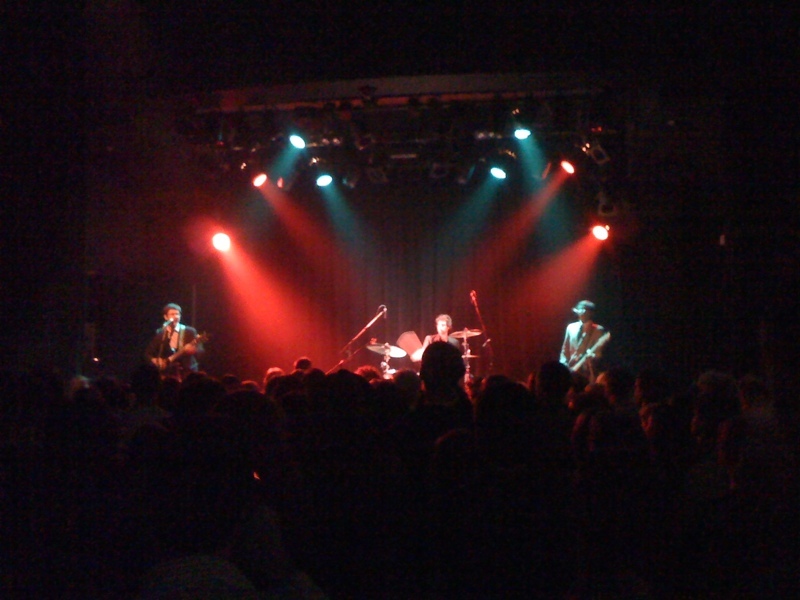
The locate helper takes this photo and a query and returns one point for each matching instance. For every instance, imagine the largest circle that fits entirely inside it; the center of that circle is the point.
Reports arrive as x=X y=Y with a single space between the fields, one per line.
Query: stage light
x=568 y=167
x=322 y=170
x=324 y=180
x=595 y=151
x=522 y=133
x=498 y=173
x=600 y=232
x=521 y=119
x=221 y=242
x=297 y=141
x=260 y=179
x=501 y=163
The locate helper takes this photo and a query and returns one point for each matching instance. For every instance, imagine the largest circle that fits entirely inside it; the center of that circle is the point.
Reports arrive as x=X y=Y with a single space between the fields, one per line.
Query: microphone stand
x=346 y=349
x=488 y=343
x=163 y=350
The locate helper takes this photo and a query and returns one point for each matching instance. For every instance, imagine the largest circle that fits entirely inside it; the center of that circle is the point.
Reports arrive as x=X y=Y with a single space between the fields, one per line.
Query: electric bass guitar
x=164 y=364
x=576 y=362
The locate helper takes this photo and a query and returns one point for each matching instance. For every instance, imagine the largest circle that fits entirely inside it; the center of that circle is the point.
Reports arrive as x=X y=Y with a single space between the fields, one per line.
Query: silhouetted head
x=442 y=366
x=553 y=381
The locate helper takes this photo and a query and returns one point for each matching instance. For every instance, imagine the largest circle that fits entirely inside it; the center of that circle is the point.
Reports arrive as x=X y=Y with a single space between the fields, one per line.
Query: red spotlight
x=600 y=232
x=221 y=242
x=260 y=179
x=568 y=167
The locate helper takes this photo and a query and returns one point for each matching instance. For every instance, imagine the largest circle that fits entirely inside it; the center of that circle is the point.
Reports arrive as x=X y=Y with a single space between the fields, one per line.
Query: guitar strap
x=584 y=345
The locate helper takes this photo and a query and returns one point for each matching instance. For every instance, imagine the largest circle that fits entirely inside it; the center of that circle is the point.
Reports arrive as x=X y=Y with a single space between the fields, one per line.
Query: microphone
x=382 y=308
x=167 y=323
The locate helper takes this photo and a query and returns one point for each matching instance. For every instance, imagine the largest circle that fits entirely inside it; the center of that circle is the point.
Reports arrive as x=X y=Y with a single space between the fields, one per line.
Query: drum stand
x=466 y=334
x=466 y=356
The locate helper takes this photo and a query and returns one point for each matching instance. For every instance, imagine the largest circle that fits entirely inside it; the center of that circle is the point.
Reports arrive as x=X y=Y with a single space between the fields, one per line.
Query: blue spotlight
x=324 y=180
x=522 y=133
x=297 y=141
x=498 y=173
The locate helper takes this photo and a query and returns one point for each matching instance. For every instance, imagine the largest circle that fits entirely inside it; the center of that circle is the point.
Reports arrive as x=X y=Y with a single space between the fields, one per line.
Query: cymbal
x=470 y=356
x=465 y=333
x=394 y=351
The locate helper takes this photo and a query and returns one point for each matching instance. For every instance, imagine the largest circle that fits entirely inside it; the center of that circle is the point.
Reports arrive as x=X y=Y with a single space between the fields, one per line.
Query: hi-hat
x=465 y=333
x=393 y=351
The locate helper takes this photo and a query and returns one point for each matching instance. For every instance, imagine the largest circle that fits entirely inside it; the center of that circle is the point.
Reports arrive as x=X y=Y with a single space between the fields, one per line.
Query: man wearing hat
x=583 y=341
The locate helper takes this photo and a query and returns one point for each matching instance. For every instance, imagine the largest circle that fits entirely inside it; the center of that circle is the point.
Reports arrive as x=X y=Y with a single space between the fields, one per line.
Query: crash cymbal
x=465 y=333
x=394 y=351
x=469 y=356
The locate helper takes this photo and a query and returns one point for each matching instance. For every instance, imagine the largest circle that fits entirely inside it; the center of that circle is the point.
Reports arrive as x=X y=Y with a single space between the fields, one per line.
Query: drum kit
x=389 y=351
x=408 y=344
x=465 y=334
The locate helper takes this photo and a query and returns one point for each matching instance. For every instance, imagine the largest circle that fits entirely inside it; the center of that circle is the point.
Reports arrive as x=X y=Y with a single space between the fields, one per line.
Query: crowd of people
x=350 y=485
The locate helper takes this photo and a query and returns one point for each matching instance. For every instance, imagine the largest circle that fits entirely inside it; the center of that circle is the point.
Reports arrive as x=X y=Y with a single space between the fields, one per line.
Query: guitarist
x=583 y=341
x=174 y=347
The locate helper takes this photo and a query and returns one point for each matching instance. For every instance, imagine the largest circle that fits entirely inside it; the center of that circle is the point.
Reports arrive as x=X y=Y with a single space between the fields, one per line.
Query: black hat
x=583 y=306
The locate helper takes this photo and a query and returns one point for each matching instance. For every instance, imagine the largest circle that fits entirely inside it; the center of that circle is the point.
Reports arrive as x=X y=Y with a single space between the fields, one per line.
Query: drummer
x=443 y=325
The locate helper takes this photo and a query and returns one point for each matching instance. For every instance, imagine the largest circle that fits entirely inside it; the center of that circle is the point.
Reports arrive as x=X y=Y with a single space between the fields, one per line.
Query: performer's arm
x=564 y=359
x=417 y=355
x=189 y=347
x=596 y=347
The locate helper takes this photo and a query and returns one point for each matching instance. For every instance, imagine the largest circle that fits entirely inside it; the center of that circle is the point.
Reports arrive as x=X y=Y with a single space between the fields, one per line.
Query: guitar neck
x=590 y=352
x=197 y=340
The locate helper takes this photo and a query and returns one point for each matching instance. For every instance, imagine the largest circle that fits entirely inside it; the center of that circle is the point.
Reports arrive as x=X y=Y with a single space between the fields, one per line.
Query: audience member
x=302 y=364
x=271 y=374
x=369 y=372
x=329 y=486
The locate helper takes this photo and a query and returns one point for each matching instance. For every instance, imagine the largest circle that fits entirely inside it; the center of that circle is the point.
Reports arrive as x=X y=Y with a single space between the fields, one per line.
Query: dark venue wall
x=703 y=246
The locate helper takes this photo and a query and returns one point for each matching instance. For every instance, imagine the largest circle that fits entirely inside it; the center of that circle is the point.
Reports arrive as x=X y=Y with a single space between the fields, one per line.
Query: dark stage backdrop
x=674 y=293
x=417 y=248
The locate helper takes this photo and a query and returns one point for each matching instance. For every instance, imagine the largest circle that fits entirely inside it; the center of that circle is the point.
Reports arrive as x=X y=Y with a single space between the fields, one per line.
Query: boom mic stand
x=346 y=350
x=488 y=343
